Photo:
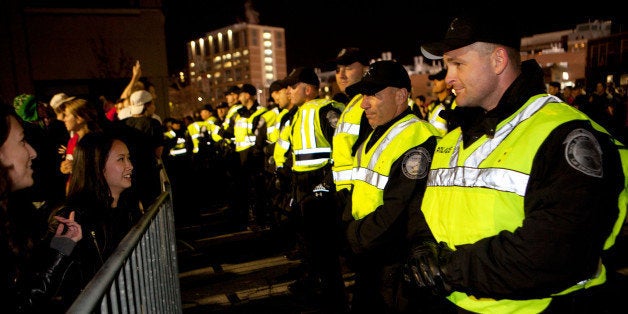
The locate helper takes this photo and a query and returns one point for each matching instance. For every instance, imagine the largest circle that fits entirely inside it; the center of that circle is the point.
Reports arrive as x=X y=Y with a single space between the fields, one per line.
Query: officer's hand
x=225 y=146
x=280 y=178
x=423 y=268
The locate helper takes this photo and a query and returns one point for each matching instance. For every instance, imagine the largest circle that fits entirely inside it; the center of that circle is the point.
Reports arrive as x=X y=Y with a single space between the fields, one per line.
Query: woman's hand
x=72 y=228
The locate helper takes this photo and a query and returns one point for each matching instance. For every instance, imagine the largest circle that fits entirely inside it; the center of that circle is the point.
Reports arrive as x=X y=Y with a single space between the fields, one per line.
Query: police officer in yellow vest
x=351 y=64
x=389 y=176
x=248 y=124
x=199 y=131
x=444 y=102
x=527 y=195
x=282 y=161
x=223 y=133
x=310 y=137
x=175 y=141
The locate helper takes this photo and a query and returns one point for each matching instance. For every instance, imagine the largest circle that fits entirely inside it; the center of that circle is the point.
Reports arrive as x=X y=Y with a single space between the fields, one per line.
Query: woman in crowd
x=80 y=118
x=33 y=267
x=99 y=192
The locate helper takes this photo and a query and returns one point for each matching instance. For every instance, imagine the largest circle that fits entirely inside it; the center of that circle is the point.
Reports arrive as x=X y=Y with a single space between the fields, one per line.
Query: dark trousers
x=317 y=205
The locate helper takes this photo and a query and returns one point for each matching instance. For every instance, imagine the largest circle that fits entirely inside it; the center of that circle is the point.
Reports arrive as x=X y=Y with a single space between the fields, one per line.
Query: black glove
x=225 y=147
x=282 y=178
x=423 y=268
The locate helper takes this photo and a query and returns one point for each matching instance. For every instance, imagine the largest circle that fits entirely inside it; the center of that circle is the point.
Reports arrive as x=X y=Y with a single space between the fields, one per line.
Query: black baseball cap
x=438 y=76
x=381 y=74
x=249 y=89
x=276 y=86
x=207 y=107
x=350 y=55
x=222 y=105
x=305 y=75
x=233 y=90
x=466 y=30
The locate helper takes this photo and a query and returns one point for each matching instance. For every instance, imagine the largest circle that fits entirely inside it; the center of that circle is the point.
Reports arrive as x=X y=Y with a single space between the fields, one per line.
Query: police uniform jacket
x=383 y=235
x=281 y=151
x=345 y=136
x=565 y=211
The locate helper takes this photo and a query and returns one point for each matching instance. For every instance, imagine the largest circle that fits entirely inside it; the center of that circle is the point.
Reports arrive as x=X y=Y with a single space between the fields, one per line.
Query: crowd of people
x=499 y=195
x=75 y=179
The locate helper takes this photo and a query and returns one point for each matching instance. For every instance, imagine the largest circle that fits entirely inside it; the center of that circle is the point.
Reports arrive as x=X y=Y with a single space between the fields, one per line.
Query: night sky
x=317 y=30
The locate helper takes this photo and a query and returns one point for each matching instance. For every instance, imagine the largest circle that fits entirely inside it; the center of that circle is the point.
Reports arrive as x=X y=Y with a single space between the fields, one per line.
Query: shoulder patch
x=583 y=152
x=416 y=163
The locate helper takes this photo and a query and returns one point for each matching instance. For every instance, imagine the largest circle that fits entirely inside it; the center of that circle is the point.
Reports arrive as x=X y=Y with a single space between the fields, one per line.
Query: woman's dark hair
x=87 y=183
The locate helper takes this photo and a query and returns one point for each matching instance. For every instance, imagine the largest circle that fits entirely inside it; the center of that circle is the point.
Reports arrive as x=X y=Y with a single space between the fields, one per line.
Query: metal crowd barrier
x=142 y=275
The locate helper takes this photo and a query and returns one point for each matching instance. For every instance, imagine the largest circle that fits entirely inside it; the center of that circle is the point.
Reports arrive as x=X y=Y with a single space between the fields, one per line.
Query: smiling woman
x=32 y=266
x=102 y=195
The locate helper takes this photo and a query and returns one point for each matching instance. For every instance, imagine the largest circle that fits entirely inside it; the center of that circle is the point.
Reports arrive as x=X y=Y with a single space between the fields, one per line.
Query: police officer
x=351 y=64
x=175 y=144
x=439 y=108
x=223 y=136
x=310 y=136
x=200 y=131
x=390 y=170
x=247 y=126
x=282 y=160
x=523 y=198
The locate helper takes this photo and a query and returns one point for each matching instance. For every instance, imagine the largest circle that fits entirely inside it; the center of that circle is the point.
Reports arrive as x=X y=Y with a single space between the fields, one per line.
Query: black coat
x=32 y=274
x=103 y=229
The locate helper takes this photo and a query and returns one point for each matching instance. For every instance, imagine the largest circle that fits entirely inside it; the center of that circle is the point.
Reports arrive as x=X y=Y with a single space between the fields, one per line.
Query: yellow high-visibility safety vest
x=243 y=130
x=484 y=186
x=270 y=116
x=310 y=148
x=371 y=168
x=345 y=136
x=273 y=134
x=194 y=131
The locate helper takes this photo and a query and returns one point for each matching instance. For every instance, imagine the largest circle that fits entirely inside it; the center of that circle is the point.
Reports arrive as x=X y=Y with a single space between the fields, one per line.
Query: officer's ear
x=401 y=96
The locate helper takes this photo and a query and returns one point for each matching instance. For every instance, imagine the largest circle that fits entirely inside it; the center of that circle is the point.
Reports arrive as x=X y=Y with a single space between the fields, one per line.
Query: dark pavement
x=224 y=269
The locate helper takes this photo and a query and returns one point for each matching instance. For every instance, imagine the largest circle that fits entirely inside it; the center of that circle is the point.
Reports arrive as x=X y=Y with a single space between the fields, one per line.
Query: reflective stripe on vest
x=280 y=151
x=345 y=136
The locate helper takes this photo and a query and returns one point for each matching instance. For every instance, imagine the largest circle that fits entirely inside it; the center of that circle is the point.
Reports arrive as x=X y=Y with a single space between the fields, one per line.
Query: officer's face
x=385 y=105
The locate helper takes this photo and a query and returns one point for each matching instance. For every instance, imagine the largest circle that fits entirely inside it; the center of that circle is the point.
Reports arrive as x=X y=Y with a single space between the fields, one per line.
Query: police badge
x=415 y=164
x=583 y=152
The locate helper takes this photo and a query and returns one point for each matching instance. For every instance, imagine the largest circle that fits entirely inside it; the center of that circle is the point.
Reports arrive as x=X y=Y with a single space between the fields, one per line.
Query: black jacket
x=568 y=214
x=103 y=229
x=31 y=277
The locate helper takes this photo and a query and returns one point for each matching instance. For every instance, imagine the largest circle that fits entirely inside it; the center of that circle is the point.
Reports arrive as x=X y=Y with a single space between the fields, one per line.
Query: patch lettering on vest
x=583 y=152
x=416 y=163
